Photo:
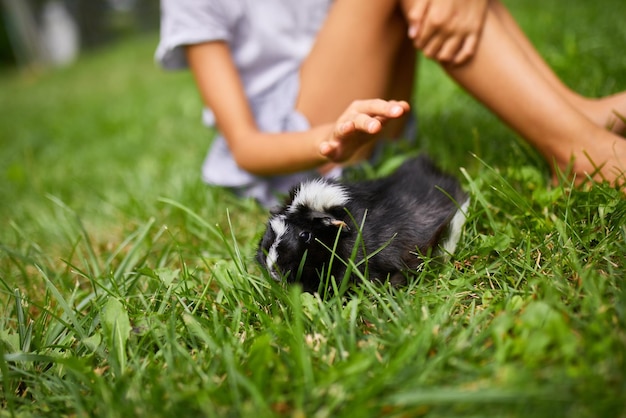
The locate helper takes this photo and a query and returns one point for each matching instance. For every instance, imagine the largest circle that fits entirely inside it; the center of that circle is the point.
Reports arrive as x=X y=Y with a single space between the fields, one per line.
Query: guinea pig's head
x=300 y=236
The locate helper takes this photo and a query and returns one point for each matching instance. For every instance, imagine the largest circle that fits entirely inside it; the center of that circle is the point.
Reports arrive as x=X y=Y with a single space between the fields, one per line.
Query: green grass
x=128 y=288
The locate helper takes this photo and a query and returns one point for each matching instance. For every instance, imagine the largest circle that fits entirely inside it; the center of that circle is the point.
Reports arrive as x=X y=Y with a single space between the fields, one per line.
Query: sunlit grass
x=129 y=288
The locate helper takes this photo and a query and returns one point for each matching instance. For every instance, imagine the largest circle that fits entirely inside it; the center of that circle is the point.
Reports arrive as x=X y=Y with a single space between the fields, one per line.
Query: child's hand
x=446 y=30
x=358 y=126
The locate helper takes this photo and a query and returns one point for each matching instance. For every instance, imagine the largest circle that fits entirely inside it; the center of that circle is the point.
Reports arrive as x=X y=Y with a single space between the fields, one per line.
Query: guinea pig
x=384 y=225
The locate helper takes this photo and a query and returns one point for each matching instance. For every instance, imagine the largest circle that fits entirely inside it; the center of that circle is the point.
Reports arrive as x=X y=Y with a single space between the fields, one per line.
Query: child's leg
x=361 y=52
x=600 y=111
x=401 y=85
x=503 y=78
x=354 y=57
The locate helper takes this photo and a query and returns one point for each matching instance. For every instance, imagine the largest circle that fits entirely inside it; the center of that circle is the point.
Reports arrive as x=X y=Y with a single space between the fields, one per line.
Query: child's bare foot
x=617 y=123
x=608 y=112
x=603 y=160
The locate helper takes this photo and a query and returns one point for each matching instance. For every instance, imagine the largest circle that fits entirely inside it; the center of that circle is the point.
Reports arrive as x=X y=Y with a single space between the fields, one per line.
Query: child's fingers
x=377 y=107
x=434 y=45
x=345 y=129
x=367 y=124
x=368 y=116
x=467 y=50
x=415 y=16
x=326 y=149
x=360 y=122
x=398 y=108
x=450 y=49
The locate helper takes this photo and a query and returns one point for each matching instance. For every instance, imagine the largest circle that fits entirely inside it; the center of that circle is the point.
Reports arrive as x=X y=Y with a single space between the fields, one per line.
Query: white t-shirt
x=268 y=40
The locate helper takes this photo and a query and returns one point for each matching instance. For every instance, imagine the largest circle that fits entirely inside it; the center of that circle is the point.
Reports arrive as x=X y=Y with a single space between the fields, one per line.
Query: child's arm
x=279 y=153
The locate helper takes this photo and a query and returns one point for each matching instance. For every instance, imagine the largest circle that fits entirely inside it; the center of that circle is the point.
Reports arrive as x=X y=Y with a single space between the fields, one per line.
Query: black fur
x=402 y=216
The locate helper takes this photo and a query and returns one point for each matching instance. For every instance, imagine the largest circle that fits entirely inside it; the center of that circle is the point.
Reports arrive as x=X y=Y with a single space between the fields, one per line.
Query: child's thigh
x=353 y=58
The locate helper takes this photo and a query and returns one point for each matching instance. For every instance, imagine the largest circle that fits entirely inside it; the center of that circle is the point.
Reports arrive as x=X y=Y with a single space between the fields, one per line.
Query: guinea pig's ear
x=275 y=210
x=328 y=220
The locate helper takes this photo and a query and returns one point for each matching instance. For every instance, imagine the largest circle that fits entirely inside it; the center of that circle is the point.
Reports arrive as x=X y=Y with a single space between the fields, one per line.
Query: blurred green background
x=28 y=25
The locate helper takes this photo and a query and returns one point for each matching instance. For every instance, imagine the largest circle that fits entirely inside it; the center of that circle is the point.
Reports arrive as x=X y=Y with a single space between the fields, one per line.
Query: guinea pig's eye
x=305 y=236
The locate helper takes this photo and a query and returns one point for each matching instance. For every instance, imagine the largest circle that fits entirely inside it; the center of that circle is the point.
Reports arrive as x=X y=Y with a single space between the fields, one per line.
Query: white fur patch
x=456 y=225
x=319 y=195
x=279 y=227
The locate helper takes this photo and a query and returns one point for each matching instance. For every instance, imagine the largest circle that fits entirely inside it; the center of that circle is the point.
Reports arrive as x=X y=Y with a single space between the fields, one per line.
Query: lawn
x=129 y=288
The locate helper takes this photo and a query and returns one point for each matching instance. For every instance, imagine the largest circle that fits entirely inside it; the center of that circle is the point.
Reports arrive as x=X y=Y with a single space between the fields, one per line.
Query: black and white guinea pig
x=400 y=217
